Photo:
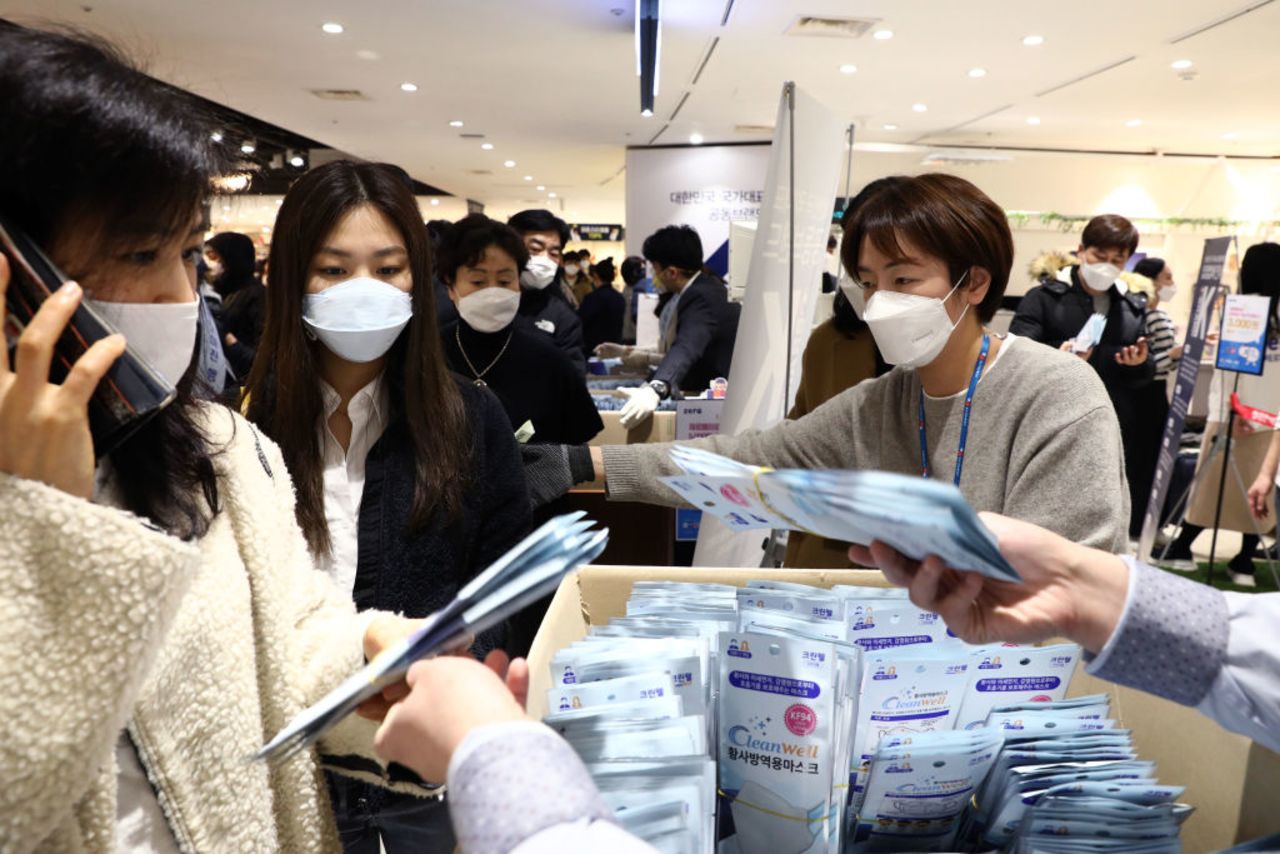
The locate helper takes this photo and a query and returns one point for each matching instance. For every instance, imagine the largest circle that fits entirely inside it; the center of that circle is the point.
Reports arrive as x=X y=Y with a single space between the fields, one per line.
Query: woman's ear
x=978 y=285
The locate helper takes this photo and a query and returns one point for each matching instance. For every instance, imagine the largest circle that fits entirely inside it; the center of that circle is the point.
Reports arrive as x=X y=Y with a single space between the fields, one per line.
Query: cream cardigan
x=203 y=650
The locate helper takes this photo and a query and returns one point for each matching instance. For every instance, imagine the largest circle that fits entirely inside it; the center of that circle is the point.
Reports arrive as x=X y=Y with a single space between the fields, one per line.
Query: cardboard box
x=1231 y=781
x=660 y=427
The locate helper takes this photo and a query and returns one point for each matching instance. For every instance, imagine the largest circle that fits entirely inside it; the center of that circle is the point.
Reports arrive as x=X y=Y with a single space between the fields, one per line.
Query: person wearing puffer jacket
x=159 y=610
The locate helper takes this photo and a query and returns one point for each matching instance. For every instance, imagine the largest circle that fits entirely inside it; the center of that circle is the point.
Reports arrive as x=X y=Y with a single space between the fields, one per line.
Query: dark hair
x=605 y=271
x=632 y=269
x=93 y=146
x=540 y=219
x=831 y=242
x=467 y=241
x=1110 y=231
x=438 y=229
x=239 y=262
x=674 y=246
x=283 y=388
x=942 y=216
x=1260 y=274
x=1149 y=267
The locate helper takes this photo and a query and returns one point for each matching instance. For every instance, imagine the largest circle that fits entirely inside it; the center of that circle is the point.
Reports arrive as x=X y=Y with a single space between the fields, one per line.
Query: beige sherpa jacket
x=203 y=650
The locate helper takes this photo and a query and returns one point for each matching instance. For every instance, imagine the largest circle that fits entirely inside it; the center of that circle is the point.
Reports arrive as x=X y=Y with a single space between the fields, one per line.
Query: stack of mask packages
x=845 y=720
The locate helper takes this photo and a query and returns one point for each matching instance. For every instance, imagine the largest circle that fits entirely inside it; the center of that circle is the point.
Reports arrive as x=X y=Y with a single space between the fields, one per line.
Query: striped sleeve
x=1160 y=339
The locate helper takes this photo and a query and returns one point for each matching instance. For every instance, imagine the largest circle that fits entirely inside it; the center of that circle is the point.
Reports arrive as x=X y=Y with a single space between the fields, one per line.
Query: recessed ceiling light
x=435 y=201
x=977 y=72
x=1033 y=120
x=1033 y=41
x=919 y=108
x=332 y=28
x=510 y=164
x=541 y=187
x=647 y=113
x=487 y=146
x=368 y=55
x=248 y=147
x=408 y=87
x=551 y=195
x=528 y=177
x=216 y=136
x=1133 y=123
x=1182 y=65
x=882 y=35
x=848 y=69
x=695 y=138
x=456 y=123
x=1229 y=135
x=297 y=162
x=890 y=127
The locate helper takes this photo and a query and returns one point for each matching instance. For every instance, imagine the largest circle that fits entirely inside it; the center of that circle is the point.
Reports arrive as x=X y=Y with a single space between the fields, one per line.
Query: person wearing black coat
x=541 y=302
x=233 y=262
x=1055 y=311
x=603 y=310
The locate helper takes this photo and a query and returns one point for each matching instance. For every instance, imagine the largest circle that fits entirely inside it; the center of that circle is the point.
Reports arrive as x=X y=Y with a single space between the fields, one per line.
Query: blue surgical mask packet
x=777 y=737
x=1002 y=675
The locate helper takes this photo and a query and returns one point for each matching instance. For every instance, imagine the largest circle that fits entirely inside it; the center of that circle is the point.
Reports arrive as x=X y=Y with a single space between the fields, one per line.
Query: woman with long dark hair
x=408 y=477
x=233 y=266
x=161 y=615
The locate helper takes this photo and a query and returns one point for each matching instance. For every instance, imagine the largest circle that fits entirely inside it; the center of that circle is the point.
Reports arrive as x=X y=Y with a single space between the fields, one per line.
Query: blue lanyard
x=964 y=422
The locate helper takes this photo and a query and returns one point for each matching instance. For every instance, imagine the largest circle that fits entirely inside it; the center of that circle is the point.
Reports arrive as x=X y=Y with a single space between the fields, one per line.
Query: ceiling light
x=890 y=127
x=1033 y=41
x=1033 y=120
x=408 y=87
x=1182 y=65
x=435 y=201
x=848 y=69
x=248 y=147
x=216 y=136
x=487 y=146
x=882 y=35
x=297 y=162
x=1133 y=123
x=695 y=138
x=332 y=28
x=977 y=72
x=1229 y=135
x=919 y=108
x=369 y=55
x=510 y=164
x=541 y=187
x=528 y=177
x=648 y=36
x=456 y=123
x=647 y=113
x=551 y=195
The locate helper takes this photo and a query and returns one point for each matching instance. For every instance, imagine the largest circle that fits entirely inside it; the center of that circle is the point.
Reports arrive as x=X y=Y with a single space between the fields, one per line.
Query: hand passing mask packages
x=641 y=404
x=916 y=516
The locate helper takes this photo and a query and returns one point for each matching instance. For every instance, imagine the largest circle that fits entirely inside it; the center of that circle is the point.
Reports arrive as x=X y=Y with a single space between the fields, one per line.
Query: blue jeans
x=369 y=814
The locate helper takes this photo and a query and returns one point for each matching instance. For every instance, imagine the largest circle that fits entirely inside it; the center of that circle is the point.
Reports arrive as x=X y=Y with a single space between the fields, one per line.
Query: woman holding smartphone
x=159 y=609
x=408 y=477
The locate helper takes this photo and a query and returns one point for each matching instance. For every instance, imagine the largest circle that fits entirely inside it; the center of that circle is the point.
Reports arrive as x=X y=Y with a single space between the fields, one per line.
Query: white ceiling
x=551 y=83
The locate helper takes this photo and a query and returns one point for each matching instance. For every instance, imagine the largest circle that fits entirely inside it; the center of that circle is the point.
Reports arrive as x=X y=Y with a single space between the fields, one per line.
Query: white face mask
x=163 y=334
x=489 y=309
x=539 y=272
x=1099 y=277
x=854 y=293
x=1167 y=292
x=359 y=319
x=911 y=330
x=571 y=269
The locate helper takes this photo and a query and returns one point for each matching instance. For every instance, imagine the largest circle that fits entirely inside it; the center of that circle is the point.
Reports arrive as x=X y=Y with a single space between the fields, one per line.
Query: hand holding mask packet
x=133 y=389
x=916 y=516
x=1090 y=334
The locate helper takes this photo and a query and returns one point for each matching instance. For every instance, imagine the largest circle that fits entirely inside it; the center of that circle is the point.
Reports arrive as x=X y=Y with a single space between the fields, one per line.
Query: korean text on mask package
x=777 y=763
x=1002 y=675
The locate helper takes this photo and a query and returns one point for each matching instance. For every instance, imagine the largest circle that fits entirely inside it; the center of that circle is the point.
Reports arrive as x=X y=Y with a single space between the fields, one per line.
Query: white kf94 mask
x=359 y=319
x=911 y=330
x=163 y=334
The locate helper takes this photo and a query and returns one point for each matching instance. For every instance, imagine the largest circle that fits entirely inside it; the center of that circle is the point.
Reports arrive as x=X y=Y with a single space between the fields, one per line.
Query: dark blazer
x=602 y=312
x=416 y=574
x=706 y=326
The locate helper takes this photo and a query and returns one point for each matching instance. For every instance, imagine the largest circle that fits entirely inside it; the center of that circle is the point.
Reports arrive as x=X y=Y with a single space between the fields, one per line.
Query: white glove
x=610 y=350
x=642 y=404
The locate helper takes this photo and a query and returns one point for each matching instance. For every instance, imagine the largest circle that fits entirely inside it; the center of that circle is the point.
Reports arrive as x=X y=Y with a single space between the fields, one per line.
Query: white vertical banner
x=788 y=258
x=703 y=186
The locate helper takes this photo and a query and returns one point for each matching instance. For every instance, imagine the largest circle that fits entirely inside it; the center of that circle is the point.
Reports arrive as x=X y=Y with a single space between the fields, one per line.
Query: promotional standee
x=1207 y=288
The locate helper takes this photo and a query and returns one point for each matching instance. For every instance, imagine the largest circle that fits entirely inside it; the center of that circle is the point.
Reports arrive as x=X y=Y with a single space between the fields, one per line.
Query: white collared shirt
x=344 y=474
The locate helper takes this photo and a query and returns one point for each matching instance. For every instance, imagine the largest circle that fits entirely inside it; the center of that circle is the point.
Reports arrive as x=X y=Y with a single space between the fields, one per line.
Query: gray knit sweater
x=1044 y=443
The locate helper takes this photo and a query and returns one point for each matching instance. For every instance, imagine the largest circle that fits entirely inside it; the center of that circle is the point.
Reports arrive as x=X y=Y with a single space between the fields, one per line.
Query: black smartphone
x=130 y=393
